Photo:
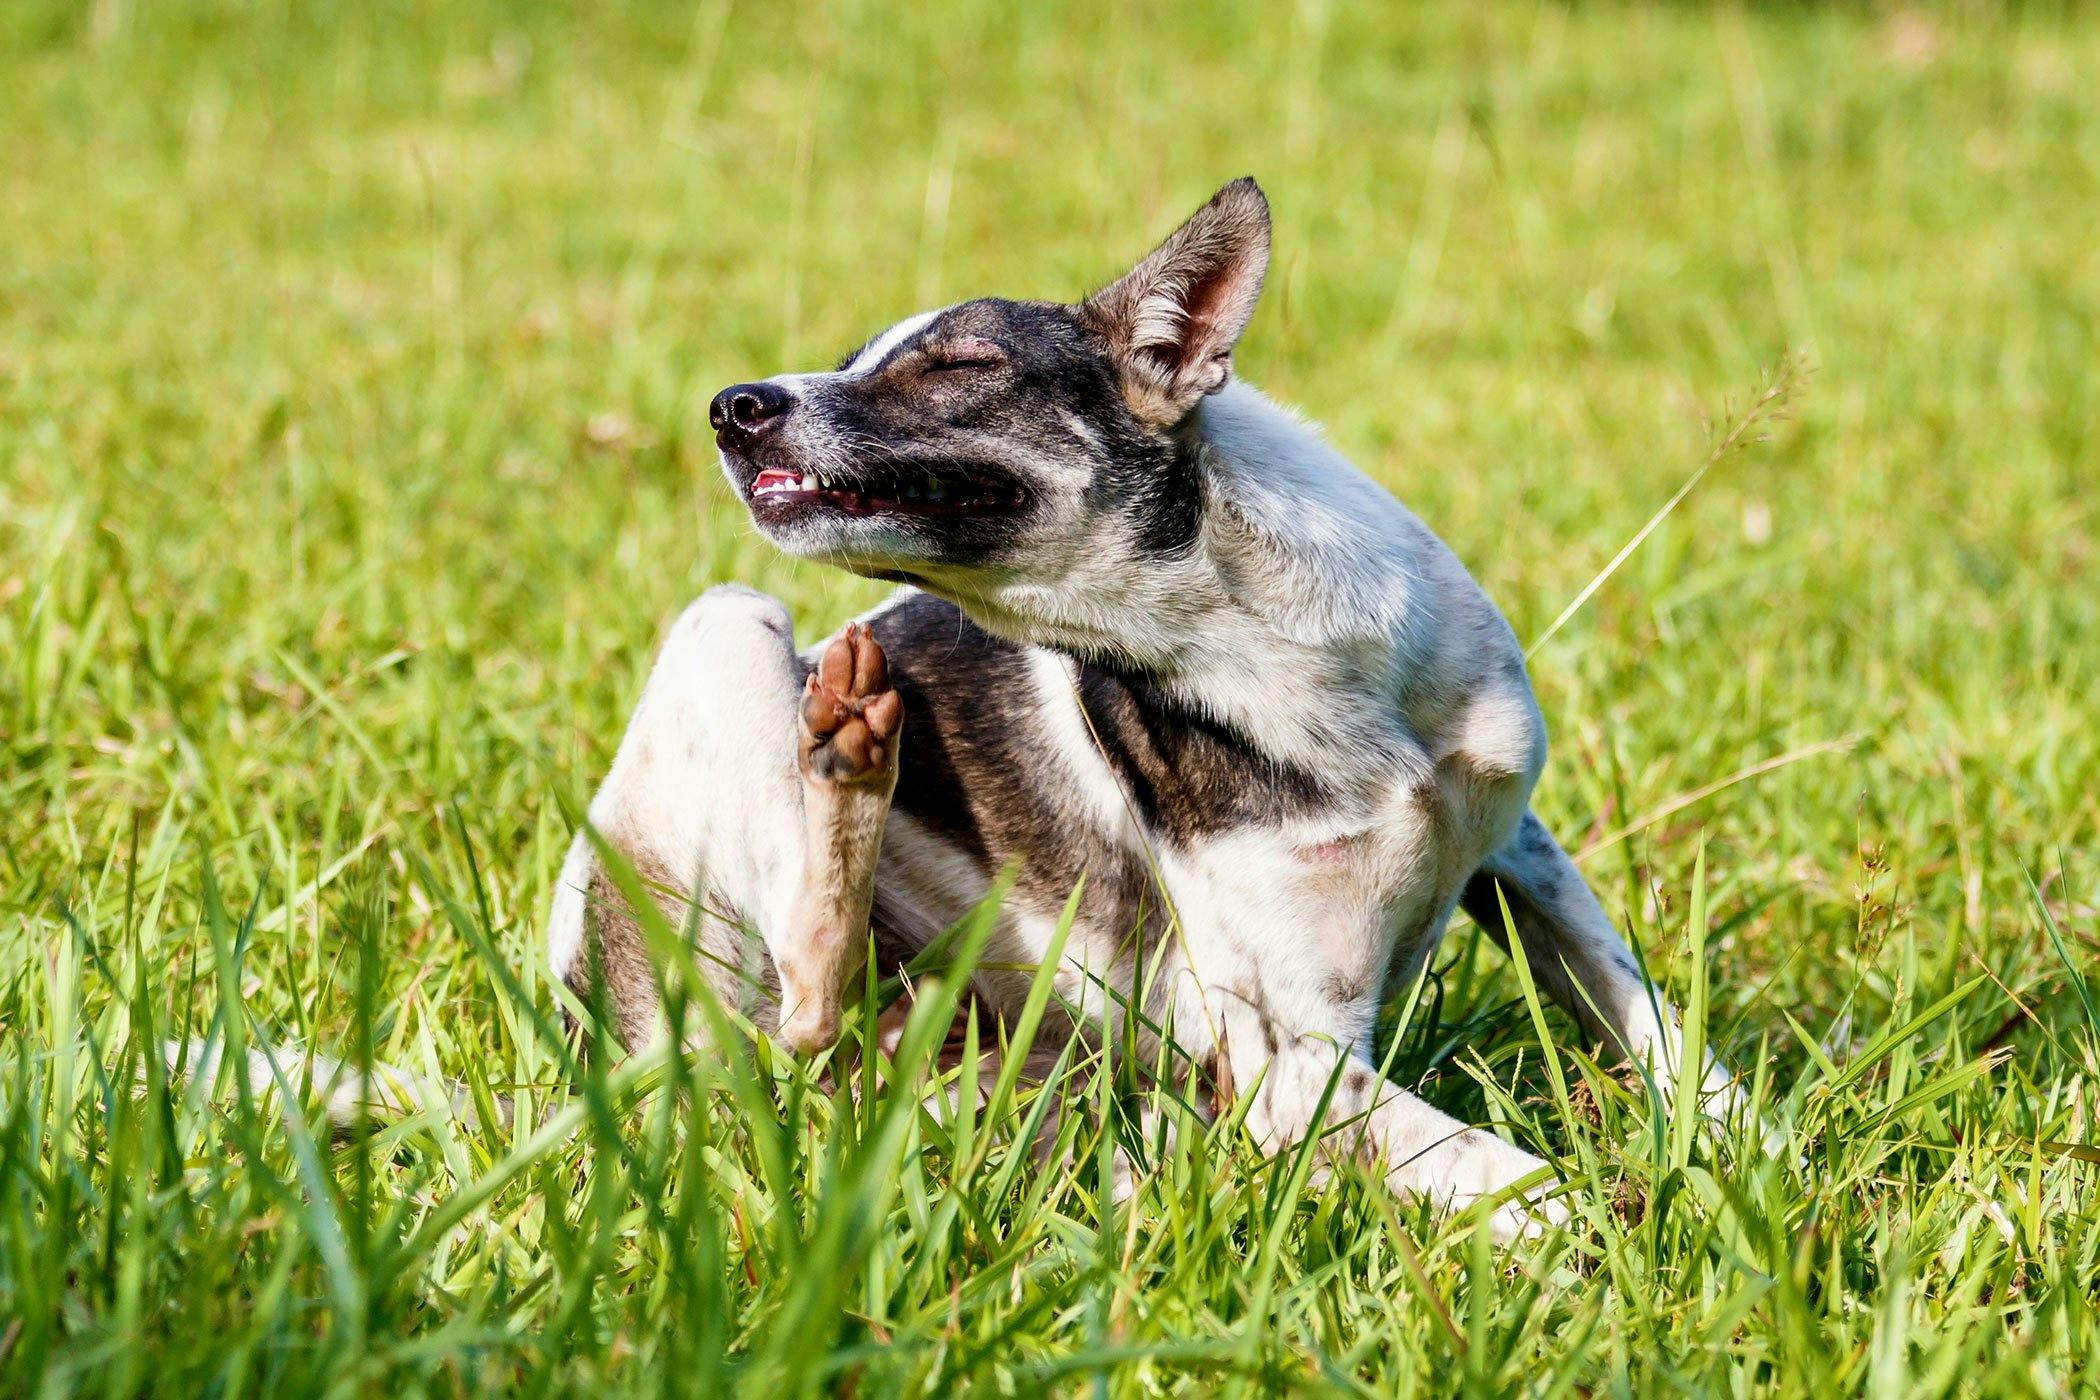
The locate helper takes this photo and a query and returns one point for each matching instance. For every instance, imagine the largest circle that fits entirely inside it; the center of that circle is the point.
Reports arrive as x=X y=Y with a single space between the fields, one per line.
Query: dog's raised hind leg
x=849 y=726
x=749 y=795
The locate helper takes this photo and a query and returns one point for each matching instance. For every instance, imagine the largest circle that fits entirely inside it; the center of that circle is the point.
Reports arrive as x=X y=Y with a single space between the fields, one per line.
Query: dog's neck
x=1293 y=616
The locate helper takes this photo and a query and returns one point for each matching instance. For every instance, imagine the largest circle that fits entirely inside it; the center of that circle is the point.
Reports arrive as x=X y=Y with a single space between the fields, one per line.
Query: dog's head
x=1014 y=440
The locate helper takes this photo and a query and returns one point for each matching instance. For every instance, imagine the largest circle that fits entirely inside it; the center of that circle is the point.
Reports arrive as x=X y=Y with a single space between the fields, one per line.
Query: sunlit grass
x=353 y=375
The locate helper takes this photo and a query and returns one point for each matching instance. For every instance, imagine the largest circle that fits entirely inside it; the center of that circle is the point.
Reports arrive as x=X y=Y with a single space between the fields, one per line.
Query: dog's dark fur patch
x=969 y=768
x=975 y=712
x=1190 y=775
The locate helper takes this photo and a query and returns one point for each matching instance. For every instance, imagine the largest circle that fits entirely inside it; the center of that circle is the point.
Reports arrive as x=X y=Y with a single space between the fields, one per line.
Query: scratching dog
x=1150 y=630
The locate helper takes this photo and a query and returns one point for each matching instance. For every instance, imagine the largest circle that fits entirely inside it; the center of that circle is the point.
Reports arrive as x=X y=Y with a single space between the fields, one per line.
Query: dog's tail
x=346 y=1093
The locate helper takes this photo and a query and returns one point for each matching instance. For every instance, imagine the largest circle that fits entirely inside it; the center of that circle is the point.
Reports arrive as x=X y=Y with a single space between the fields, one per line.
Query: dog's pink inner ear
x=1172 y=320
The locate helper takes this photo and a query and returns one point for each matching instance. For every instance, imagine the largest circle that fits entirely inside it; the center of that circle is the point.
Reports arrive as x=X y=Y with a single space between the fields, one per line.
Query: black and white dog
x=1152 y=632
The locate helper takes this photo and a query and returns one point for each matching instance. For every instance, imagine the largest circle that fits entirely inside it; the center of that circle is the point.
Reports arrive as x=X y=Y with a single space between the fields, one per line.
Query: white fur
x=878 y=349
x=565 y=916
x=1073 y=748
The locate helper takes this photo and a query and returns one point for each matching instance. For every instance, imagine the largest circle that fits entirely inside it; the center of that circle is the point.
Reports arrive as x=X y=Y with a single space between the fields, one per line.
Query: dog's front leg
x=1422 y=1150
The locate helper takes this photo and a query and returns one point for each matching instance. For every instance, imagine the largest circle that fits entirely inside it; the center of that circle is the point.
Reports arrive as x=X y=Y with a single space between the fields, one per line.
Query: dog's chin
x=880 y=546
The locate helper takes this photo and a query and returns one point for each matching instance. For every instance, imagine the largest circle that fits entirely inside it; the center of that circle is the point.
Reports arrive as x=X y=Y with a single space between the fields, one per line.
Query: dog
x=1151 y=632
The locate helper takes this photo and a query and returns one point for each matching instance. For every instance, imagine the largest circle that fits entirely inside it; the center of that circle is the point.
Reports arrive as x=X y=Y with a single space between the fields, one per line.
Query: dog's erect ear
x=1172 y=320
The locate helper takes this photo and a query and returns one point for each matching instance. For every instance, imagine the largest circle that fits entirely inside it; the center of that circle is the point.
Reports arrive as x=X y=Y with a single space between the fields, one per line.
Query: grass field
x=353 y=381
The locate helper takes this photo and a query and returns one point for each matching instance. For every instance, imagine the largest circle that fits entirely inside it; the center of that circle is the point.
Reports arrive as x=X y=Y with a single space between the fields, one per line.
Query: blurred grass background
x=353 y=377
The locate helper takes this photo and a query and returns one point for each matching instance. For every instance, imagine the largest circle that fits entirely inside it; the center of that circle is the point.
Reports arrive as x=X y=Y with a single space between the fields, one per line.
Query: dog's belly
x=1017 y=758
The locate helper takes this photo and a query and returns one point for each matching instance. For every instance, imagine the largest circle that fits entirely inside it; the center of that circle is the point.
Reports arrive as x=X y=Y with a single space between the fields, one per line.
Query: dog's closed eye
x=958 y=356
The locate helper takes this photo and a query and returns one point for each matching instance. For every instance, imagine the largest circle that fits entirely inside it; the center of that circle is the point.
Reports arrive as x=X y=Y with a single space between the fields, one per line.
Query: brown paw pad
x=850 y=716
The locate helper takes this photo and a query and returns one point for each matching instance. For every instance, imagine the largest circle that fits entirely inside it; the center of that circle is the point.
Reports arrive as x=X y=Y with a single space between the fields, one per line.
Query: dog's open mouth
x=943 y=491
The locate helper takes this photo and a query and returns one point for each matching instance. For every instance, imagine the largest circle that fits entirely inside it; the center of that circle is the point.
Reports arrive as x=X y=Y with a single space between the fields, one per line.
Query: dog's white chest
x=1310 y=918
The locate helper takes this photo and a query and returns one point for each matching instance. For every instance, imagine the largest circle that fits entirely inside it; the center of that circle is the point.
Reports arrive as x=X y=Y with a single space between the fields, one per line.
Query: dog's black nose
x=743 y=413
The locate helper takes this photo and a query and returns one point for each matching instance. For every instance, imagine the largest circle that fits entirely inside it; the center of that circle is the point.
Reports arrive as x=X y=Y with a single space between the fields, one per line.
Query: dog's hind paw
x=850 y=714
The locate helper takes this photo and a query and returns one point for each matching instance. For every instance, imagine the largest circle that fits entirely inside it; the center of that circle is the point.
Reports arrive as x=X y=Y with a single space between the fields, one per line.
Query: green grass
x=353 y=374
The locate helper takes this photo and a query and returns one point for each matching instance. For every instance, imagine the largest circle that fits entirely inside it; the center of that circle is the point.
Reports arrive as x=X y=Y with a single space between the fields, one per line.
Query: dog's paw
x=850 y=714
x=1518 y=1191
